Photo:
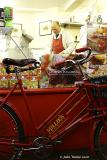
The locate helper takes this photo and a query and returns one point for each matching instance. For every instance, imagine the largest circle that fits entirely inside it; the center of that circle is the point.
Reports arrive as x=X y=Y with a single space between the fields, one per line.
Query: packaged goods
x=12 y=80
x=4 y=82
x=33 y=82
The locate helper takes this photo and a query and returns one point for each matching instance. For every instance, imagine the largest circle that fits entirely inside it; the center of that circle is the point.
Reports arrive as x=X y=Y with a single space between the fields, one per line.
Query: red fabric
x=57 y=45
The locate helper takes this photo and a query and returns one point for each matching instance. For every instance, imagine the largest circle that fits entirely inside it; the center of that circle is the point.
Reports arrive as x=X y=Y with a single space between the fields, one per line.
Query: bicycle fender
x=91 y=138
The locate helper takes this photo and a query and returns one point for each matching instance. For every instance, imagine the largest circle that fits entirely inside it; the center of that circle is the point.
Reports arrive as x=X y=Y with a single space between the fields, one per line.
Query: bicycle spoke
x=9 y=132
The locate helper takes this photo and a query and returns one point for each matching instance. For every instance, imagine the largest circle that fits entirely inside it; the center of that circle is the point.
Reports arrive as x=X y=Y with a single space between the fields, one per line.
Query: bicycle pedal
x=17 y=155
x=58 y=142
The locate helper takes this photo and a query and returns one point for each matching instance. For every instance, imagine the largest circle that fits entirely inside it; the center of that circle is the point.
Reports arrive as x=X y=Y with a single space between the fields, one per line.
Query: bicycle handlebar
x=79 y=50
x=85 y=59
x=81 y=61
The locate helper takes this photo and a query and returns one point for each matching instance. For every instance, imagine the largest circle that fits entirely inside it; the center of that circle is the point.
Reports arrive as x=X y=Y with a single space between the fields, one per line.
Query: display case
x=97 y=41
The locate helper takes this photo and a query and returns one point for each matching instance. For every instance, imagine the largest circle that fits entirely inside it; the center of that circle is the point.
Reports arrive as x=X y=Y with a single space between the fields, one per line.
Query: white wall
x=27 y=19
x=30 y=22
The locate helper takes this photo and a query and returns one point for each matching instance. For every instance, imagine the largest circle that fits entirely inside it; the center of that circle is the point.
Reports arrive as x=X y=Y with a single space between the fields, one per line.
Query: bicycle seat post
x=18 y=75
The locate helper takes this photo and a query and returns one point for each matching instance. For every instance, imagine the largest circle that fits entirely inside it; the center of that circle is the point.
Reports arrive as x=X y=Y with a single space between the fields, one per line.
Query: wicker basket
x=64 y=74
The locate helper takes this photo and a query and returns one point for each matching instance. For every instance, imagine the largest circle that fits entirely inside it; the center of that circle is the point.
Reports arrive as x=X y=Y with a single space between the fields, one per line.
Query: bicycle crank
x=45 y=147
x=42 y=148
x=17 y=155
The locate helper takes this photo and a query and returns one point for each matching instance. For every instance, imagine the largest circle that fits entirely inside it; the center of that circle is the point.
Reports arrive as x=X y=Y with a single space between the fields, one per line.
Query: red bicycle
x=53 y=120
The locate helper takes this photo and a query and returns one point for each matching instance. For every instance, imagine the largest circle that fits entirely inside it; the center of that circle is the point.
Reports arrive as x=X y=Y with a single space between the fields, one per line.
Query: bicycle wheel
x=101 y=141
x=11 y=130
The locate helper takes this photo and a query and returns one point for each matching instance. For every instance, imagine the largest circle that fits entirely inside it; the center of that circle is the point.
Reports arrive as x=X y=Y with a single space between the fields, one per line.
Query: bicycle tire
x=100 y=140
x=11 y=130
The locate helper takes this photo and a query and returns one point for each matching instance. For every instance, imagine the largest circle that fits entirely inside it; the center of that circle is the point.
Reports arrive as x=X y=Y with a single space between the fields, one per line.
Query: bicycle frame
x=68 y=115
x=80 y=107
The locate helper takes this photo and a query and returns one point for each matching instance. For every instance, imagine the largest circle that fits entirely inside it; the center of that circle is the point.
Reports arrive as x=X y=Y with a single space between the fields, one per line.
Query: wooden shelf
x=71 y=24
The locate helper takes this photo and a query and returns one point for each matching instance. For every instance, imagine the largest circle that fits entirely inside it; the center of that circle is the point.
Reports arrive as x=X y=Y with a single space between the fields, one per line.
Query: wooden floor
x=81 y=155
x=71 y=156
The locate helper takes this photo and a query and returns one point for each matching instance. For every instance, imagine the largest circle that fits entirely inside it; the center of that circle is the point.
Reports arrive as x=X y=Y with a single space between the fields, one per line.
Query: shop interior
x=53 y=111
x=31 y=18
